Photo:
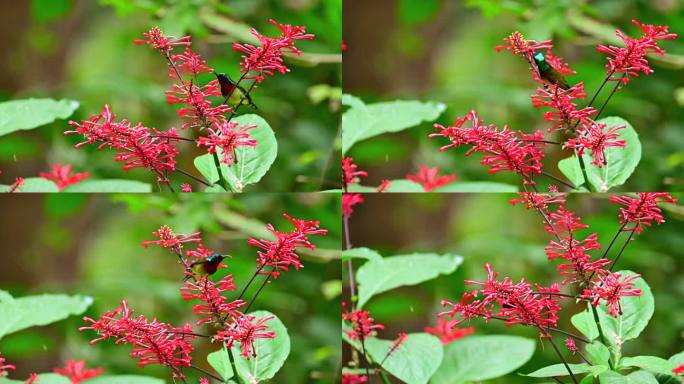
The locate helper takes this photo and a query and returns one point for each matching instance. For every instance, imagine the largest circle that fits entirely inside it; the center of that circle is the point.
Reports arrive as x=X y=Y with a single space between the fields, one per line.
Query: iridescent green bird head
x=547 y=72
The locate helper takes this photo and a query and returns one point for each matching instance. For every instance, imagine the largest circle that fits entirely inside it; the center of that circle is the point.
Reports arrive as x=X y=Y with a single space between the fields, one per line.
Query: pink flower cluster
x=77 y=372
x=246 y=330
x=430 y=179
x=214 y=307
x=62 y=176
x=228 y=137
x=448 y=331
x=361 y=324
x=641 y=211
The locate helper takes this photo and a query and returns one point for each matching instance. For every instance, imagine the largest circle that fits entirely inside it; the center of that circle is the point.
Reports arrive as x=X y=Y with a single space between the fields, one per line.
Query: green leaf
x=271 y=353
x=560 y=370
x=477 y=187
x=584 y=322
x=361 y=253
x=125 y=379
x=29 y=311
x=636 y=313
x=34 y=185
x=378 y=276
x=598 y=353
x=43 y=378
x=363 y=121
x=650 y=363
x=477 y=358
x=415 y=361
x=221 y=363
x=622 y=161
x=638 y=377
x=31 y=113
x=109 y=186
x=253 y=162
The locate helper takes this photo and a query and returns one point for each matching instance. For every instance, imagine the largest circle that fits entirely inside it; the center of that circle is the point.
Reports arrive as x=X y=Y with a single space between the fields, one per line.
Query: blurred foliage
x=95 y=62
x=443 y=50
x=486 y=228
x=91 y=245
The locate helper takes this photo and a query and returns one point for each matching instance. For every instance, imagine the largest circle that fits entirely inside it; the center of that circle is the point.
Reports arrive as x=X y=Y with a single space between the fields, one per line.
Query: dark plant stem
x=350 y=265
x=256 y=273
x=222 y=180
x=557 y=380
x=232 y=363
x=206 y=372
x=583 y=167
x=600 y=329
x=615 y=88
x=610 y=245
x=541 y=141
x=384 y=377
x=560 y=355
x=366 y=357
x=266 y=280
x=621 y=250
x=197 y=179
x=566 y=183
x=584 y=358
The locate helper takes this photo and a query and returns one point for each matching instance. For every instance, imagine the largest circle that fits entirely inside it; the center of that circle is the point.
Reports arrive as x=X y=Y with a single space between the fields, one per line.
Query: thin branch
x=621 y=250
x=197 y=179
x=566 y=183
x=565 y=363
x=206 y=372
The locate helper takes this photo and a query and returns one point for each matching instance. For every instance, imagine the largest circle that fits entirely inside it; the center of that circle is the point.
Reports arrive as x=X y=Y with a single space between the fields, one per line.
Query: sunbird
x=208 y=266
x=547 y=72
x=233 y=92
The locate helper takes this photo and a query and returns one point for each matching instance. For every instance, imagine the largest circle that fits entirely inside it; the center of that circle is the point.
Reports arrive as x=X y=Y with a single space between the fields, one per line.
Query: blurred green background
x=486 y=228
x=443 y=50
x=91 y=245
x=83 y=50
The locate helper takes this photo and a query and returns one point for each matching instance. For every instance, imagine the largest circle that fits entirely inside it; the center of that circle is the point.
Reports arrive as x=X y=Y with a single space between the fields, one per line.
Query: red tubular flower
x=361 y=324
x=214 y=307
x=228 y=137
x=429 y=178
x=641 y=211
x=679 y=370
x=401 y=338
x=538 y=201
x=266 y=59
x=61 y=175
x=33 y=378
x=282 y=253
x=76 y=371
x=631 y=59
x=164 y=44
x=189 y=63
x=517 y=45
x=5 y=367
x=203 y=380
x=18 y=183
x=514 y=303
x=350 y=378
x=246 y=330
x=596 y=139
x=384 y=186
x=558 y=64
x=185 y=187
x=166 y=238
x=560 y=100
x=138 y=146
x=611 y=288
x=200 y=113
x=504 y=149
x=350 y=174
x=153 y=342
x=570 y=343
x=447 y=331
x=348 y=202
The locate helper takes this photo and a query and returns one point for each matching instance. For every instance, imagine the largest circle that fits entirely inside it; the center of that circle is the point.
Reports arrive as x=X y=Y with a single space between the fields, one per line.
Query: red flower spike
x=401 y=338
x=348 y=202
x=281 y=254
x=539 y=201
x=16 y=186
x=572 y=347
x=228 y=137
x=384 y=186
x=200 y=113
x=517 y=45
x=203 y=380
x=447 y=331
x=361 y=324
x=610 y=289
x=679 y=370
x=350 y=378
x=164 y=44
x=558 y=64
x=266 y=59
x=595 y=138
x=5 y=367
x=153 y=342
x=137 y=146
x=641 y=211
x=62 y=176
x=189 y=63
x=185 y=187
x=429 y=178
x=33 y=378
x=629 y=60
x=350 y=174
x=246 y=330
x=214 y=307
x=564 y=110
x=174 y=241
x=76 y=371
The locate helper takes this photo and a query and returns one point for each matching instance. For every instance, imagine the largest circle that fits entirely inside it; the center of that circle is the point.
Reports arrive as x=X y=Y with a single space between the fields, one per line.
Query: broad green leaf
x=109 y=186
x=378 y=276
x=125 y=379
x=44 y=378
x=598 y=353
x=363 y=121
x=33 y=185
x=678 y=360
x=650 y=363
x=253 y=162
x=621 y=161
x=31 y=113
x=477 y=358
x=477 y=187
x=221 y=363
x=560 y=370
x=415 y=361
x=270 y=353
x=584 y=322
x=398 y=186
x=638 y=377
x=636 y=313
x=361 y=253
x=29 y=311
